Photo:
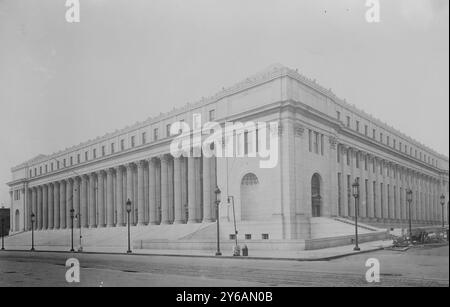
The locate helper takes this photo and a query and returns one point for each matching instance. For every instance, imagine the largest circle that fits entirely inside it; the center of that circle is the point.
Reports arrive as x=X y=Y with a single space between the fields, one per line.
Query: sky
x=126 y=60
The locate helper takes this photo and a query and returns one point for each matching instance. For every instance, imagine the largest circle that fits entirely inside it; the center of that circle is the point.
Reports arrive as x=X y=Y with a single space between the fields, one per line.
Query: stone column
x=76 y=201
x=84 y=201
x=153 y=212
x=119 y=197
x=164 y=190
x=362 y=183
x=370 y=205
x=344 y=196
x=56 y=206
x=110 y=198
x=101 y=199
x=44 y=207
x=92 y=202
x=192 y=201
x=69 y=201
x=207 y=197
x=40 y=213
x=177 y=190
x=130 y=194
x=62 y=204
x=141 y=196
x=33 y=203
x=50 y=217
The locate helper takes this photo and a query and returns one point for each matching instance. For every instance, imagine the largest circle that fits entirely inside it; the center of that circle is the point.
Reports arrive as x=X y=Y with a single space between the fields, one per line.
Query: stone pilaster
x=56 y=206
x=153 y=213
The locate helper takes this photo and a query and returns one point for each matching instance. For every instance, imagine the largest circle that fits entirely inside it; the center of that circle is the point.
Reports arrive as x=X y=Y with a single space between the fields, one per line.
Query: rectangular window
x=321 y=144
x=374 y=132
x=265 y=236
x=155 y=134
x=338 y=154
x=381 y=137
x=248 y=236
x=388 y=140
x=357 y=160
x=394 y=144
x=35 y=171
x=51 y=167
x=310 y=140
x=366 y=130
x=94 y=153
x=246 y=143
x=103 y=151
x=71 y=161
x=57 y=164
x=122 y=144
x=338 y=115
x=86 y=156
x=348 y=121
x=366 y=162
x=316 y=142
x=168 y=130
x=144 y=138
x=78 y=158
x=112 y=148
x=357 y=126
x=212 y=115
x=64 y=162
x=40 y=170
x=133 y=143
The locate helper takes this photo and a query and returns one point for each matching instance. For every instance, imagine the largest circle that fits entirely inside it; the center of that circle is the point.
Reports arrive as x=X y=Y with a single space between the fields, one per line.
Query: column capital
x=129 y=166
x=140 y=164
x=101 y=172
x=110 y=171
x=119 y=168
x=165 y=157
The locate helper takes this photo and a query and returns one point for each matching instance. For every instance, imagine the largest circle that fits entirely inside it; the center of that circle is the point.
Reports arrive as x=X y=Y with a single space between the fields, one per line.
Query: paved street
x=421 y=266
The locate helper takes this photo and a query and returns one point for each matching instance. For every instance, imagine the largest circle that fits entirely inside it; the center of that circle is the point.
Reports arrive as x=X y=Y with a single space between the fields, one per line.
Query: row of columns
x=162 y=190
x=383 y=187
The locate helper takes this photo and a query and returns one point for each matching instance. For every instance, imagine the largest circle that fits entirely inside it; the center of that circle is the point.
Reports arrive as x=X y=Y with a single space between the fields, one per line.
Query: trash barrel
x=244 y=250
x=236 y=250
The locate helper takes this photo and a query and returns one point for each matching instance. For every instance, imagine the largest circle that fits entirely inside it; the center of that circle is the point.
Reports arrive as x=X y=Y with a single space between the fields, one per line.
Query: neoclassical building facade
x=324 y=145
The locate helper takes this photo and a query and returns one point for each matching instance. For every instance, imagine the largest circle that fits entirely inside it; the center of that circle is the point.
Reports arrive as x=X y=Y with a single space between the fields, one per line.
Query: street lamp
x=33 y=219
x=78 y=217
x=3 y=234
x=231 y=198
x=409 y=198
x=72 y=215
x=355 y=187
x=128 y=207
x=443 y=204
x=217 y=192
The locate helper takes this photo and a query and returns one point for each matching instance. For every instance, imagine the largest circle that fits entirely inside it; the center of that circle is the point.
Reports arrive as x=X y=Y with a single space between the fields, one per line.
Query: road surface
x=420 y=266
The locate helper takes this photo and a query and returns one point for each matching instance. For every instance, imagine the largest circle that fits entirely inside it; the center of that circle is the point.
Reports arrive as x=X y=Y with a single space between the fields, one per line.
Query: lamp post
x=355 y=187
x=217 y=192
x=231 y=198
x=78 y=217
x=442 y=205
x=128 y=207
x=3 y=234
x=33 y=219
x=409 y=197
x=72 y=215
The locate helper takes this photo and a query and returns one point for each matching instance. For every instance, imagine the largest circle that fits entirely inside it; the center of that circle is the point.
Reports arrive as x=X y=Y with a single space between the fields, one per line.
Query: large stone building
x=324 y=145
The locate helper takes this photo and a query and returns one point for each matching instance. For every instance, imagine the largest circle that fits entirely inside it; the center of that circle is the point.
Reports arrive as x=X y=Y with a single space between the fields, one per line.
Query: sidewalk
x=304 y=255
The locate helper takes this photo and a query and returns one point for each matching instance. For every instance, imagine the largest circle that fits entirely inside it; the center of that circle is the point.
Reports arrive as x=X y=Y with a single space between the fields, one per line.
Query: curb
x=328 y=258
